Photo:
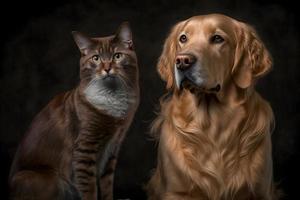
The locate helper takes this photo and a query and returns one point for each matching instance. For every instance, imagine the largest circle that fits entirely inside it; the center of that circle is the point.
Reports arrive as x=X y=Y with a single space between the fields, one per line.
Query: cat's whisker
x=124 y=81
x=95 y=79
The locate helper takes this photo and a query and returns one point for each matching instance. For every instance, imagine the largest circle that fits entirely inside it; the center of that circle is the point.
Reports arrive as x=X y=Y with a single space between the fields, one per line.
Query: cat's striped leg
x=85 y=156
x=107 y=179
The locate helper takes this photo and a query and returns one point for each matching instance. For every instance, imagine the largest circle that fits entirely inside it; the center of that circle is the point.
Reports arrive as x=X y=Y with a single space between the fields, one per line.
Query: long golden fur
x=214 y=145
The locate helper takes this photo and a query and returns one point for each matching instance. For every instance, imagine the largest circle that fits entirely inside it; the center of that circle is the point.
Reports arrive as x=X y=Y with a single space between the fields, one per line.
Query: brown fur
x=214 y=145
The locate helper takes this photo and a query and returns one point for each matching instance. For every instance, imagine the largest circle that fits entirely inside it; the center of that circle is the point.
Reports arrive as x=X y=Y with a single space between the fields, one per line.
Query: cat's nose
x=107 y=67
x=107 y=70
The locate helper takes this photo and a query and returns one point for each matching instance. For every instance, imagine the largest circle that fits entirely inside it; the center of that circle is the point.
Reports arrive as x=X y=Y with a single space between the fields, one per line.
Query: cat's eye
x=96 y=58
x=117 y=56
x=216 y=39
x=183 y=38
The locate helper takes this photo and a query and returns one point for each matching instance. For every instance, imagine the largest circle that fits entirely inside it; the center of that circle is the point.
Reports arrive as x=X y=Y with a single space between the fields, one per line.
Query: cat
x=71 y=148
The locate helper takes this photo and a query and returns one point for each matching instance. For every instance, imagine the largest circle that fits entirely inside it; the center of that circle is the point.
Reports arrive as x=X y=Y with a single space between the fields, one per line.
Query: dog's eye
x=183 y=38
x=96 y=58
x=217 y=39
x=117 y=56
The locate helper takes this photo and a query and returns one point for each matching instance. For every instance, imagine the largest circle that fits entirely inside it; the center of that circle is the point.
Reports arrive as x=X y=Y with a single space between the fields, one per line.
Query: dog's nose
x=185 y=61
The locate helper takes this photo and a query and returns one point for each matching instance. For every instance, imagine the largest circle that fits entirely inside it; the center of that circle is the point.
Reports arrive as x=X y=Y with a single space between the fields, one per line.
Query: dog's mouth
x=184 y=80
x=187 y=84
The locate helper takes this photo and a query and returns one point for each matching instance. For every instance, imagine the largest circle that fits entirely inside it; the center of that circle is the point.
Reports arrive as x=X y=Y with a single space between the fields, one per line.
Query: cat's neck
x=87 y=115
x=117 y=103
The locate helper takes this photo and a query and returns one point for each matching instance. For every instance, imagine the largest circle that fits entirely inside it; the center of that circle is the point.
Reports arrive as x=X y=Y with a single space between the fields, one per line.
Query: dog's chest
x=202 y=162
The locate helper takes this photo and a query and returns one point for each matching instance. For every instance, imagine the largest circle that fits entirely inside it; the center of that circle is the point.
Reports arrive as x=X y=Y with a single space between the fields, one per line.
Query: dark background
x=39 y=59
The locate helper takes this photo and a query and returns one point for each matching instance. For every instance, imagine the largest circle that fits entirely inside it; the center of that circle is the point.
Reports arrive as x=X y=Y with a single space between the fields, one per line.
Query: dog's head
x=207 y=52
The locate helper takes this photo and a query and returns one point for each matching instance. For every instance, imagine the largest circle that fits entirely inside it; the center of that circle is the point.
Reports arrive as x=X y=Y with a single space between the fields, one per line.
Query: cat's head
x=108 y=63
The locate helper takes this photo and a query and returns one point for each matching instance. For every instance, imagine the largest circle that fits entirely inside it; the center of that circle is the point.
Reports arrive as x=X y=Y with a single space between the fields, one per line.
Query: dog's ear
x=166 y=61
x=252 y=59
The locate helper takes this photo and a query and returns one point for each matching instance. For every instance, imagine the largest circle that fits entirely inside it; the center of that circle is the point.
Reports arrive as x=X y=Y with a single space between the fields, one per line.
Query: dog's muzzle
x=183 y=64
x=185 y=75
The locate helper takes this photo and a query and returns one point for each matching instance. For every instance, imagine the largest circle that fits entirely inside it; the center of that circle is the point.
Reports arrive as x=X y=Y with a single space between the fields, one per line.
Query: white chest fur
x=114 y=102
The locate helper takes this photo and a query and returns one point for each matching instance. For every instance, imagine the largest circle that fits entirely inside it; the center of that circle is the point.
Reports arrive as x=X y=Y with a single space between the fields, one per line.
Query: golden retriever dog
x=214 y=129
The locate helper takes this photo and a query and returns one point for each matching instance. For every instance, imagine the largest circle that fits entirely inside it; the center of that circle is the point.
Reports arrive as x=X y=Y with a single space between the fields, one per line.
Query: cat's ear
x=83 y=41
x=124 y=35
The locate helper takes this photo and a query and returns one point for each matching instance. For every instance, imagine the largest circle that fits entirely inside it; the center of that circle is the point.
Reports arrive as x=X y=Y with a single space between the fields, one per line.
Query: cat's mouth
x=111 y=81
x=109 y=77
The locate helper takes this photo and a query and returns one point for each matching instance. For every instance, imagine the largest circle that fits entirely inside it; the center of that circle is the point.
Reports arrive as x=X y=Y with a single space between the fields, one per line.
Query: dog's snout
x=184 y=61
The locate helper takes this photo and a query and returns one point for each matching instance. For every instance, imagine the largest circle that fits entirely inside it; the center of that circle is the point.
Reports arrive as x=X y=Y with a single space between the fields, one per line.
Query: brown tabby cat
x=71 y=148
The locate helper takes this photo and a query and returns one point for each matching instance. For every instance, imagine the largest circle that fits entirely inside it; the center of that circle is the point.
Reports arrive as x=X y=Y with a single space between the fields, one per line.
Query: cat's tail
x=277 y=193
x=41 y=184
